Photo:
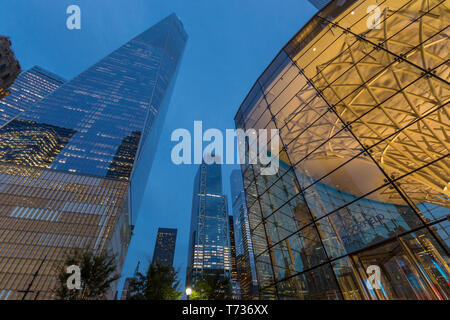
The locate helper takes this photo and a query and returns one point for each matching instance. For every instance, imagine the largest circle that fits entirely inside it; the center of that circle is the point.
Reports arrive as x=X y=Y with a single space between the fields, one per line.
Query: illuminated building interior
x=360 y=98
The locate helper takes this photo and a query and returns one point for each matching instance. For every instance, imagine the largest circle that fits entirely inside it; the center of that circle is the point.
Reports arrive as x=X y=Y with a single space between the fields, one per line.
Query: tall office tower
x=245 y=260
x=234 y=274
x=9 y=66
x=76 y=164
x=362 y=107
x=209 y=245
x=165 y=247
x=29 y=87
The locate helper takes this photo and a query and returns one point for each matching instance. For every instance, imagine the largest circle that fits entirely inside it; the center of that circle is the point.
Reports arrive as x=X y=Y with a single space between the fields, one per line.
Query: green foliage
x=159 y=283
x=97 y=275
x=212 y=287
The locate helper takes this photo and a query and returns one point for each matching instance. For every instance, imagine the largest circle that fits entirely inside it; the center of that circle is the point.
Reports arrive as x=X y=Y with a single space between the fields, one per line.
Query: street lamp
x=188 y=292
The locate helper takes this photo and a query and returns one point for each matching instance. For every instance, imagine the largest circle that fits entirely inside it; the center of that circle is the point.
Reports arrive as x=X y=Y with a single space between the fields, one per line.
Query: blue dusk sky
x=230 y=44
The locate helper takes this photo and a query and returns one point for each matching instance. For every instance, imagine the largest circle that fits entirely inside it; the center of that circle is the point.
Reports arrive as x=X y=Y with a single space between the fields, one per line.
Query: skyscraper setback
x=165 y=247
x=79 y=159
x=209 y=244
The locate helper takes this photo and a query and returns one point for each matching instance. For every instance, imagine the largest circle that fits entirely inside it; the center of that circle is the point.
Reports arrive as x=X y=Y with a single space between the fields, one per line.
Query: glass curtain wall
x=360 y=99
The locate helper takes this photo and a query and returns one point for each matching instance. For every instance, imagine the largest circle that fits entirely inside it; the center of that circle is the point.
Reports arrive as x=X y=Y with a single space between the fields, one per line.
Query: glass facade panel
x=342 y=186
x=259 y=239
x=265 y=271
x=366 y=222
x=310 y=116
x=296 y=253
x=442 y=231
x=274 y=70
x=316 y=284
x=432 y=259
x=349 y=283
x=426 y=188
x=293 y=216
x=255 y=212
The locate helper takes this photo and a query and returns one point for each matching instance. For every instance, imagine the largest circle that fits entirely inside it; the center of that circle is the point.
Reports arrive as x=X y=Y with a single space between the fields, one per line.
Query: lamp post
x=188 y=292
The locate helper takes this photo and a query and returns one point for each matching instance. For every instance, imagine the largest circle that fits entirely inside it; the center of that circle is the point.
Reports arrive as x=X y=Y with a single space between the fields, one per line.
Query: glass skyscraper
x=209 y=243
x=165 y=247
x=362 y=108
x=245 y=262
x=73 y=167
x=29 y=87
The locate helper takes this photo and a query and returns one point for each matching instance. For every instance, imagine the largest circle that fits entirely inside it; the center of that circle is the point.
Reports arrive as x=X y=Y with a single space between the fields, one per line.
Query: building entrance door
x=400 y=276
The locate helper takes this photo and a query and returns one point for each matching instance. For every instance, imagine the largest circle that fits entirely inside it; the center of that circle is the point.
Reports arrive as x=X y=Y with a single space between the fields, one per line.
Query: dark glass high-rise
x=165 y=247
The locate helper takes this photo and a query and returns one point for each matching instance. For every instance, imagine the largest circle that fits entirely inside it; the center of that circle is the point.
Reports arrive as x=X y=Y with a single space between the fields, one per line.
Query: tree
x=212 y=287
x=98 y=272
x=159 y=283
